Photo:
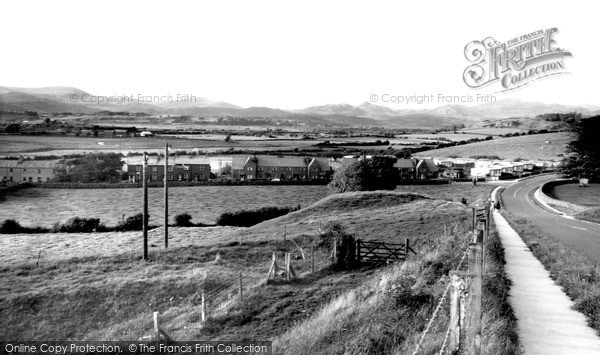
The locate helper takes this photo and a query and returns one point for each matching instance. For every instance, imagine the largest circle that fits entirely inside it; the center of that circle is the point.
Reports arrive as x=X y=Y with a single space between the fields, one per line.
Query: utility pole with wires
x=167 y=195
x=145 y=212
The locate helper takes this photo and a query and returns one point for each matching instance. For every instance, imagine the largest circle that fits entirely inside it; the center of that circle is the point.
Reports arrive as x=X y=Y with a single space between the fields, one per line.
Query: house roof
x=297 y=162
x=404 y=164
x=430 y=164
x=32 y=164
x=173 y=160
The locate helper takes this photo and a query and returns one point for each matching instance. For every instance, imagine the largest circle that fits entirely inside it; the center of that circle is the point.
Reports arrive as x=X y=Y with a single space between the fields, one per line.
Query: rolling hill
x=548 y=146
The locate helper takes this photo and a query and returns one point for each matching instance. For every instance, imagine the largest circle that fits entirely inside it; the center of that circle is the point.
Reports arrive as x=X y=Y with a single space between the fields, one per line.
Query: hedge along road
x=581 y=235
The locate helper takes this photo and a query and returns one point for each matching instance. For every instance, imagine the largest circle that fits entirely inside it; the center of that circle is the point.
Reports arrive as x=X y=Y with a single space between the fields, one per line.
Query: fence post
x=241 y=288
x=334 y=250
x=312 y=258
x=474 y=216
x=288 y=257
x=406 y=248
x=456 y=285
x=474 y=325
x=156 y=327
x=203 y=310
x=358 y=251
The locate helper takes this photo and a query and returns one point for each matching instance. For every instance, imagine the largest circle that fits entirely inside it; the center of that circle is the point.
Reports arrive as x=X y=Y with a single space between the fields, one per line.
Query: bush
x=10 y=226
x=81 y=225
x=132 y=223
x=183 y=220
x=247 y=218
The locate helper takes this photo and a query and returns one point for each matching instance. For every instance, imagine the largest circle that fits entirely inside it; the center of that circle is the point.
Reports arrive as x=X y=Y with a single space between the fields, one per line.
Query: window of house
x=153 y=168
x=260 y=168
x=201 y=176
x=170 y=176
x=10 y=178
x=25 y=179
x=39 y=179
x=39 y=171
x=249 y=176
x=170 y=168
x=249 y=168
x=201 y=167
x=30 y=179
x=186 y=176
x=11 y=170
x=154 y=177
x=24 y=169
x=47 y=179
x=138 y=168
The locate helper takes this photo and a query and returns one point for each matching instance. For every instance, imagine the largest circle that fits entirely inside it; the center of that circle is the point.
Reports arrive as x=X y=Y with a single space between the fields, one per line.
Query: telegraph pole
x=145 y=213
x=167 y=195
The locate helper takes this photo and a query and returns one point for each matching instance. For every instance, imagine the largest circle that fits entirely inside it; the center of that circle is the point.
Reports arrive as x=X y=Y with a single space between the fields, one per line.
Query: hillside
x=51 y=280
x=548 y=146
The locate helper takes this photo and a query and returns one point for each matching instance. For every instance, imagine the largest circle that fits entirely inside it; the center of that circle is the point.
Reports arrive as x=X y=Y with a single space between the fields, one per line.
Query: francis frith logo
x=514 y=63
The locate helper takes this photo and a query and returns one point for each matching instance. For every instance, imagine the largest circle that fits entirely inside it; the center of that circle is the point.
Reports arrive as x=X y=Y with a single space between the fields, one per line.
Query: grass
x=44 y=207
x=530 y=147
x=389 y=311
x=592 y=215
x=574 y=271
x=94 y=287
x=584 y=196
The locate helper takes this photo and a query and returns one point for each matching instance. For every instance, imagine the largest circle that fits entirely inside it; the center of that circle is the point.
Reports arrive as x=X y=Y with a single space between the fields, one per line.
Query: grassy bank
x=95 y=287
x=574 y=271
x=389 y=311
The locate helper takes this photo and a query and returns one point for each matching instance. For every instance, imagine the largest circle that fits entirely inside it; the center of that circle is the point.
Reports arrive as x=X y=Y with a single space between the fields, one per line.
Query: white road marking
x=517 y=190
x=583 y=229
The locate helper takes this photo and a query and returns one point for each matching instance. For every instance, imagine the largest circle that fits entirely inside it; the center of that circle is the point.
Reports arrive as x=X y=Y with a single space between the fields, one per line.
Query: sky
x=286 y=54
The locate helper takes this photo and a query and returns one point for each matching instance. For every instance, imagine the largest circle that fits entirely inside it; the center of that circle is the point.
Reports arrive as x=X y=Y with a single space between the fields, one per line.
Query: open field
x=55 y=145
x=43 y=207
x=78 y=286
x=583 y=196
x=524 y=147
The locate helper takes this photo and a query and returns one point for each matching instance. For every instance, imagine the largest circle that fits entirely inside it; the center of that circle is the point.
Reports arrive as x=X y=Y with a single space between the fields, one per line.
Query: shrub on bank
x=80 y=225
x=10 y=226
x=183 y=220
x=247 y=218
x=132 y=223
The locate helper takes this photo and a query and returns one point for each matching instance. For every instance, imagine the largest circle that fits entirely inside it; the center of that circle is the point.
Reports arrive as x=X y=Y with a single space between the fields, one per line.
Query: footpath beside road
x=546 y=322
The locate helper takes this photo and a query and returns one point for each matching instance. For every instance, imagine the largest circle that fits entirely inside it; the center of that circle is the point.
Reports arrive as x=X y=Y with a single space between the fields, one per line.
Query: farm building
x=181 y=168
x=282 y=168
x=23 y=170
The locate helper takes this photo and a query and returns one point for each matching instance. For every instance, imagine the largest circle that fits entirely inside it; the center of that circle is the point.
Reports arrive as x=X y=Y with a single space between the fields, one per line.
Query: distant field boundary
x=126 y=185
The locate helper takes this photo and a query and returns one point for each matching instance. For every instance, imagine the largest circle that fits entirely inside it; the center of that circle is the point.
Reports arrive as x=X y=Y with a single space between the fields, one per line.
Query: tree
x=13 y=128
x=582 y=158
x=377 y=173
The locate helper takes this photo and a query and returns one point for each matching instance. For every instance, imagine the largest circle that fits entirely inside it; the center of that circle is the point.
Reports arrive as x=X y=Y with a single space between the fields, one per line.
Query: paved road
x=578 y=234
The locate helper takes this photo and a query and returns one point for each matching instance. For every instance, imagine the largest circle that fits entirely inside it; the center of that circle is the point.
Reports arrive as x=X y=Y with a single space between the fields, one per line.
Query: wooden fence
x=375 y=252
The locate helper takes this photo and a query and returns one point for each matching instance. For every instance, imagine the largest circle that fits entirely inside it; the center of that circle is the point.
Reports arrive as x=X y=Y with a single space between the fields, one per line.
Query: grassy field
x=51 y=145
x=43 y=207
x=94 y=286
x=524 y=147
x=583 y=196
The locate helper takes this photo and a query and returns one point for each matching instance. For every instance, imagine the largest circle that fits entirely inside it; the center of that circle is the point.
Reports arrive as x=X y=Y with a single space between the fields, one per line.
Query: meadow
x=548 y=146
x=43 y=207
x=58 y=145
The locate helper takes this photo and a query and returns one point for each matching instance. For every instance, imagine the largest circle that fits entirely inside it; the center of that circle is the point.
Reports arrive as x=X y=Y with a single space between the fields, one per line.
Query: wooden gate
x=375 y=252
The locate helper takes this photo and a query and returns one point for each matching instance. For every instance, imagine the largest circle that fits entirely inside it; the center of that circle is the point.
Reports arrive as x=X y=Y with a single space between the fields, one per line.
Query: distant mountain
x=59 y=99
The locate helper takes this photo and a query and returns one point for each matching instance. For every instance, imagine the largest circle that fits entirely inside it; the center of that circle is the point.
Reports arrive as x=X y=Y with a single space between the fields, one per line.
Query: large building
x=180 y=168
x=23 y=170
